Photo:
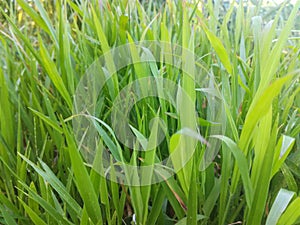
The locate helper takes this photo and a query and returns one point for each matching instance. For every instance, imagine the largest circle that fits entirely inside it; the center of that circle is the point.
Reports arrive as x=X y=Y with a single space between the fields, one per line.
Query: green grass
x=228 y=111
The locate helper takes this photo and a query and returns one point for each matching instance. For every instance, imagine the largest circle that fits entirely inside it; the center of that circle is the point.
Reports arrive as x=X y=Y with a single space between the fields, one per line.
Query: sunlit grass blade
x=281 y=202
x=283 y=149
x=291 y=214
x=51 y=70
x=250 y=52
x=262 y=182
x=272 y=63
x=219 y=48
x=107 y=54
x=260 y=108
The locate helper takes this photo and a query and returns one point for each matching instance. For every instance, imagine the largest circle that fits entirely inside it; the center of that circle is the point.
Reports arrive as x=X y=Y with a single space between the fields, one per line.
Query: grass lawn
x=149 y=112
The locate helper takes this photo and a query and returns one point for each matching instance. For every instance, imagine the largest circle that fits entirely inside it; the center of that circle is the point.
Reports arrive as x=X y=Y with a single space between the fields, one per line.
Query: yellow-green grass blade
x=269 y=68
x=260 y=109
x=280 y=204
x=110 y=65
x=261 y=140
x=255 y=213
x=54 y=75
x=283 y=149
x=291 y=214
x=219 y=48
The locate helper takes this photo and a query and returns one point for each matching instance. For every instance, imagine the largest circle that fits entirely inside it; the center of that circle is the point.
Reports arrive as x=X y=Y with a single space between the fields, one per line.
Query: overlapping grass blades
x=252 y=64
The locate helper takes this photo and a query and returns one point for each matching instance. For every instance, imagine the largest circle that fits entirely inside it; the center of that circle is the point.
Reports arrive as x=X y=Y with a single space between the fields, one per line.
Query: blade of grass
x=33 y=15
x=31 y=213
x=243 y=167
x=291 y=214
x=219 y=48
x=84 y=184
x=110 y=65
x=255 y=214
x=192 y=199
x=46 y=205
x=47 y=120
x=54 y=75
x=280 y=204
x=7 y=216
x=260 y=108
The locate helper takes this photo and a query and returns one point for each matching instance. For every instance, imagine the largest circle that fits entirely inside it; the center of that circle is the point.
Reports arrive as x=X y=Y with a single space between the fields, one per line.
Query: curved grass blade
x=243 y=166
x=292 y=213
x=281 y=202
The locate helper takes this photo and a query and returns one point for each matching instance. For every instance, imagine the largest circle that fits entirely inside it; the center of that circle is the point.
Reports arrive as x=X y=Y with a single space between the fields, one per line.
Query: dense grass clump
x=223 y=79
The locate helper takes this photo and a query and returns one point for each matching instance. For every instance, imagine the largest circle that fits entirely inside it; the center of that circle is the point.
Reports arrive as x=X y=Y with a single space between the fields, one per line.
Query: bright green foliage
x=251 y=53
